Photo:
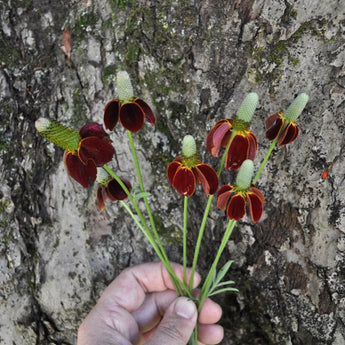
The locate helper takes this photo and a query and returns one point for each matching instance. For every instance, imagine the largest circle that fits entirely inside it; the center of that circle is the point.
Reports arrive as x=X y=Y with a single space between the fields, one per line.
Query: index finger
x=128 y=290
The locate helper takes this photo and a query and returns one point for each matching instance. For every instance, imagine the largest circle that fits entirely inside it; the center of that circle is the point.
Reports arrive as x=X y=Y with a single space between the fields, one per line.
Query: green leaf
x=214 y=287
x=142 y=195
x=222 y=272
x=228 y=282
x=217 y=279
x=223 y=290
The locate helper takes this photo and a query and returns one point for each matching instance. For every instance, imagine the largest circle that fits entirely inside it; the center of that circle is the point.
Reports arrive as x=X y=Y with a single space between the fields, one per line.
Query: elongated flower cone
x=84 y=151
x=186 y=171
x=129 y=110
x=58 y=134
x=246 y=111
x=282 y=126
x=243 y=143
x=233 y=199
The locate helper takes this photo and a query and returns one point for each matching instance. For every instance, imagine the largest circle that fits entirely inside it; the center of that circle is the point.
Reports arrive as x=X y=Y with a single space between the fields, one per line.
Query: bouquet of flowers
x=89 y=151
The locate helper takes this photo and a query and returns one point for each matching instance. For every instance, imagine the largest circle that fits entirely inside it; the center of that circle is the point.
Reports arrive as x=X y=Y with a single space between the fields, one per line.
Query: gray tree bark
x=194 y=61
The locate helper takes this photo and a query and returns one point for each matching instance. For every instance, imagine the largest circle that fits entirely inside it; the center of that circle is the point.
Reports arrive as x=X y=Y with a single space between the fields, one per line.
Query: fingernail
x=185 y=308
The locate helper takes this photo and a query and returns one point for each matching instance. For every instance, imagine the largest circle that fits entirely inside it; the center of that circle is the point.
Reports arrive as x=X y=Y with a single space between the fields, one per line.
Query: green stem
x=198 y=243
x=185 y=218
x=208 y=280
x=147 y=235
x=148 y=210
x=263 y=163
x=142 y=188
x=194 y=337
x=146 y=231
x=206 y=212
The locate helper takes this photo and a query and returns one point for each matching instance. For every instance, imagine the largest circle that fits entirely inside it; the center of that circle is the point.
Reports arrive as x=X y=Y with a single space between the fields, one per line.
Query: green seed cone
x=188 y=146
x=245 y=175
x=296 y=107
x=247 y=108
x=60 y=135
x=124 y=87
x=102 y=176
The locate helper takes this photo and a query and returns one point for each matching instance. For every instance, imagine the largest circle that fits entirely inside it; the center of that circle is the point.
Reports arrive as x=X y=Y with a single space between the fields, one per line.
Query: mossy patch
x=268 y=61
x=10 y=56
x=170 y=234
x=83 y=25
x=79 y=109
x=120 y=4
x=109 y=74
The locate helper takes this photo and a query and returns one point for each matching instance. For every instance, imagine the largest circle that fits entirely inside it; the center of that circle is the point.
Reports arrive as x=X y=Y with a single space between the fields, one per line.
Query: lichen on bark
x=194 y=62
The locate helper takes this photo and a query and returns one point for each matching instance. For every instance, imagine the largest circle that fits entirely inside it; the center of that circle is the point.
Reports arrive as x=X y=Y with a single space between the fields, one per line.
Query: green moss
x=9 y=55
x=6 y=240
x=4 y=205
x=120 y=4
x=265 y=57
x=294 y=61
x=132 y=54
x=4 y=145
x=79 y=109
x=315 y=27
x=27 y=4
x=109 y=74
x=84 y=24
x=274 y=53
x=170 y=234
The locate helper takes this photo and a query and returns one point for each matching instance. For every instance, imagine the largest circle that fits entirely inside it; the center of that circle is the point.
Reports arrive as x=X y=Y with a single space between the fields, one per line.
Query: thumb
x=177 y=324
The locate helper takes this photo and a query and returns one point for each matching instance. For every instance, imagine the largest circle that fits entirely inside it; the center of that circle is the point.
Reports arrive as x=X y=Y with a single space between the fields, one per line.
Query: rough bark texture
x=194 y=61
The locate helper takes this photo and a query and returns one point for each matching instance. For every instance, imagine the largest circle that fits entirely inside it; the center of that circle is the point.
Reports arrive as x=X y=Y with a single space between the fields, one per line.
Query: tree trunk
x=193 y=61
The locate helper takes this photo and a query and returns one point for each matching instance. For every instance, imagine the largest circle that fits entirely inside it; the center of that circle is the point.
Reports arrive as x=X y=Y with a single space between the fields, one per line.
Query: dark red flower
x=130 y=114
x=94 y=150
x=184 y=174
x=243 y=145
x=234 y=201
x=277 y=126
x=111 y=190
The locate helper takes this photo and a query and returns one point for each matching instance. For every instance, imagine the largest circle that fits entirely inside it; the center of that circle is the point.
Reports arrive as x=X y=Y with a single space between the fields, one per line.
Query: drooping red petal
x=253 y=146
x=98 y=150
x=237 y=207
x=258 y=193
x=147 y=110
x=132 y=116
x=214 y=140
x=172 y=168
x=289 y=134
x=184 y=181
x=84 y=174
x=206 y=175
x=115 y=191
x=238 y=152
x=226 y=139
x=273 y=131
x=223 y=196
x=272 y=119
x=93 y=129
x=255 y=204
x=101 y=197
x=111 y=114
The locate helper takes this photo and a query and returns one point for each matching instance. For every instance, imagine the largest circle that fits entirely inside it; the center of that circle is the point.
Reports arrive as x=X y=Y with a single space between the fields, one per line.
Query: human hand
x=141 y=307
